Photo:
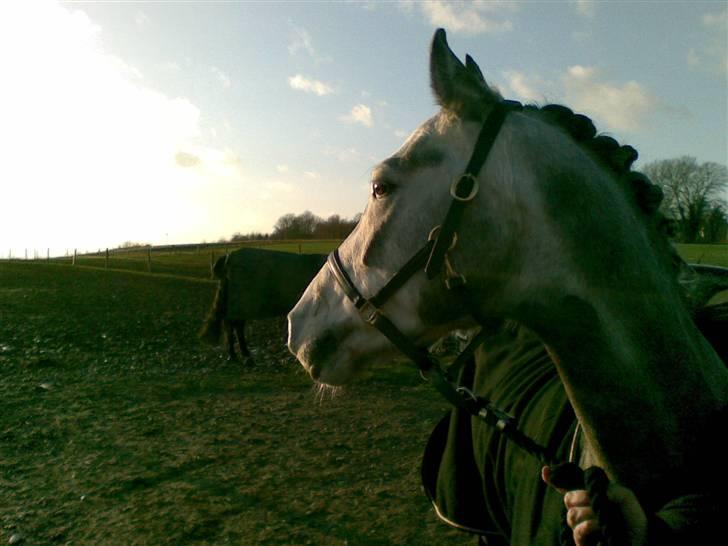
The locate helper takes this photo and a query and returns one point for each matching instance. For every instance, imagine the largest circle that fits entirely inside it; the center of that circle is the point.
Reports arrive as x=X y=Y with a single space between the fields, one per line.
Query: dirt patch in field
x=118 y=427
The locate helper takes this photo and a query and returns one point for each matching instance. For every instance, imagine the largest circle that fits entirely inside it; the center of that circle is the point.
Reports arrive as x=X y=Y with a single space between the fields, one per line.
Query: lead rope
x=595 y=481
x=568 y=475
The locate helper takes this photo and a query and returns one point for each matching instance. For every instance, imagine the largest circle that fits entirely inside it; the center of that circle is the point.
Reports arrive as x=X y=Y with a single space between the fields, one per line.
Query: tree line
x=694 y=197
x=304 y=226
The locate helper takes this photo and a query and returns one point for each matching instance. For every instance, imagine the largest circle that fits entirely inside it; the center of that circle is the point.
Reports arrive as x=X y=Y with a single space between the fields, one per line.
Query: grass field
x=118 y=428
x=705 y=254
x=195 y=261
x=190 y=261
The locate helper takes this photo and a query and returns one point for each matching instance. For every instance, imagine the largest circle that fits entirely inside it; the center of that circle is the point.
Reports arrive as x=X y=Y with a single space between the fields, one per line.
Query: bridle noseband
x=433 y=257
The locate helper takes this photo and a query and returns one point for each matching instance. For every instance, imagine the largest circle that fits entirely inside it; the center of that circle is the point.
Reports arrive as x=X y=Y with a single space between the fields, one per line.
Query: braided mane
x=618 y=159
x=613 y=155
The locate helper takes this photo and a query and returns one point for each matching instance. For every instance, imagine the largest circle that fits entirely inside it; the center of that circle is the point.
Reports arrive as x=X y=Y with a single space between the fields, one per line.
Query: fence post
x=212 y=263
x=106 y=261
x=73 y=262
x=48 y=255
x=299 y=248
x=149 y=259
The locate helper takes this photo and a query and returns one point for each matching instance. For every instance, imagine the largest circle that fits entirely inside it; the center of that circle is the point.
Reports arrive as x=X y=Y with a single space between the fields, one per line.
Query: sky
x=183 y=122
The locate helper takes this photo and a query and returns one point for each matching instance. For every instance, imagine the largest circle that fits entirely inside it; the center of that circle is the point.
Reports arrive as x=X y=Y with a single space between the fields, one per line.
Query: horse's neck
x=641 y=379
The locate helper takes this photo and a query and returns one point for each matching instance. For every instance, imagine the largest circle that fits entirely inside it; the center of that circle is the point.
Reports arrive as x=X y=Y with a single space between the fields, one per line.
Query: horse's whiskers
x=321 y=391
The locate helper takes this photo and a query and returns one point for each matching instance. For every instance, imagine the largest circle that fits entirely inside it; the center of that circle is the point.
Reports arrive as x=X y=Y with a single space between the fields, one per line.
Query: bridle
x=433 y=257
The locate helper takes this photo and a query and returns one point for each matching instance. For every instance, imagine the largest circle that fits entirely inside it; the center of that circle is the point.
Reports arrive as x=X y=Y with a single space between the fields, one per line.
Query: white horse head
x=509 y=248
x=561 y=237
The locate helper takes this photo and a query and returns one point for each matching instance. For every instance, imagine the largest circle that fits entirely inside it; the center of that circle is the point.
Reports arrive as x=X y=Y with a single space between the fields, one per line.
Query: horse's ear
x=457 y=87
x=474 y=70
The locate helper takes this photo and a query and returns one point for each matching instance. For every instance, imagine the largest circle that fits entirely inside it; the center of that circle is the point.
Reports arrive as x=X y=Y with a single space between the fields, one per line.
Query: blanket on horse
x=479 y=481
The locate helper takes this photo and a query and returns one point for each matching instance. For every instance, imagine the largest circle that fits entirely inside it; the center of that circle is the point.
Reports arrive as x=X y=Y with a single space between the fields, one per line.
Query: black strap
x=344 y=281
x=395 y=283
x=465 y=185
x=415 y=263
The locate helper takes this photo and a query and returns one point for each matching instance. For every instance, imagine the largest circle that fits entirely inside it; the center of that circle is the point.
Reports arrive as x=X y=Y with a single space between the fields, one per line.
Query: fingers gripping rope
x=613 y=528
x=611 y=520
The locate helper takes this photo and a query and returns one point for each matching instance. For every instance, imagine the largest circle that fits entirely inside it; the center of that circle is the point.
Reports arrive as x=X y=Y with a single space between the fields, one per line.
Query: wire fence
x=190 y=260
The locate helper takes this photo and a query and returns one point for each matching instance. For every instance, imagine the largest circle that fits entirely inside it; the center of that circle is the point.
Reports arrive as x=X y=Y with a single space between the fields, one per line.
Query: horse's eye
x=380 y=189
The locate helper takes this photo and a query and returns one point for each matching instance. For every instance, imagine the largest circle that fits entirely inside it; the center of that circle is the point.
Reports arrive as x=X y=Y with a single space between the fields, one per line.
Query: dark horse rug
x=478 y=481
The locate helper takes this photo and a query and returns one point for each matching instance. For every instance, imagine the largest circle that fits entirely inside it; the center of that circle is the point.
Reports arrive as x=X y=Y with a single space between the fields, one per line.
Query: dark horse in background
x=255 y=284
x=558 y=235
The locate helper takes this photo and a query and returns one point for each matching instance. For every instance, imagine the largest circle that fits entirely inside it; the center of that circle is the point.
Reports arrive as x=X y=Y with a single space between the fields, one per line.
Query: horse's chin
x=334 y=375
x=344 y=367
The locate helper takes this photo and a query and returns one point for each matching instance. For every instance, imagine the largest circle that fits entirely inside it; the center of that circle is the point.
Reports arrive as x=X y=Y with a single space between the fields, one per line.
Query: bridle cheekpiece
x=433 y=258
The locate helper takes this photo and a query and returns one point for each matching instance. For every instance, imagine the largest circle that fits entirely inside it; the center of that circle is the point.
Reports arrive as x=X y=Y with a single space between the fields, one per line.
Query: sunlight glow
x=92 y=153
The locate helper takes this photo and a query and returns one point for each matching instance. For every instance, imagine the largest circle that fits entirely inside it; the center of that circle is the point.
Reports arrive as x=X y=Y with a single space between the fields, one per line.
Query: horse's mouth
x=315 y=372
x=334 y=375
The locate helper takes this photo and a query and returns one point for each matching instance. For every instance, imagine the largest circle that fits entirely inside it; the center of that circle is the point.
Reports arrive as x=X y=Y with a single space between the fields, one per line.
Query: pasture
x=118 y=427
x=705 y=254
x=186 y=260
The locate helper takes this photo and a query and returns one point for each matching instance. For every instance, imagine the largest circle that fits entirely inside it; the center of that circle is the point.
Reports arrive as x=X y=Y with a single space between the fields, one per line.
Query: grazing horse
x=255 y=284
x=545 y=225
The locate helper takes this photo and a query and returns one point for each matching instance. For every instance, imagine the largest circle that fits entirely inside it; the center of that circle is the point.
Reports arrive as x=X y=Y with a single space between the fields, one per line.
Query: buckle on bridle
x=461 y=180
x=434 y=232
x=369 y=312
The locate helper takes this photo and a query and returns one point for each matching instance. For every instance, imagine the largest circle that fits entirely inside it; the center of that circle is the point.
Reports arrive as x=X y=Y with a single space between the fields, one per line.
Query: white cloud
x=311 y=175
x=171 y=67
x=310 y=86
x=587 y=8
x=518 y=84
x=360 y=113
x=718 y=20
x=622 y=107
x=278 y=186
x=344 y=155
x=713 y=54
x=473 y=17
x=693 y=58
x=141 y=20
x=302 y=42
x=222 y=77
x=282 y=168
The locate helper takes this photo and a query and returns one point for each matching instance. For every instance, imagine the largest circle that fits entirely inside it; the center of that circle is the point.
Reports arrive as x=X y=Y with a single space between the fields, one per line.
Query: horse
x=544 y=225
x=255 y=284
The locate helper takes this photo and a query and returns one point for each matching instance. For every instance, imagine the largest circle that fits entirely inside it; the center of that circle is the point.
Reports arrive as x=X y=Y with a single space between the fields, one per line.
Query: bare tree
x=692 y=193
x=307 y=225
